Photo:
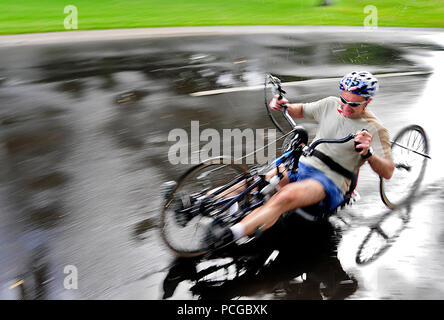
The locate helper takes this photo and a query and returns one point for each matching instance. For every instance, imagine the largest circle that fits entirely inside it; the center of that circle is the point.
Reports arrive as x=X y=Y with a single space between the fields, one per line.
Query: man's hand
x=363 y=139
x=277 y=103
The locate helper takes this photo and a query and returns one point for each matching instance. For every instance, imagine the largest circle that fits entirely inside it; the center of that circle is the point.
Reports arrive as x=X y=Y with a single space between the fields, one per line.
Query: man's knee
x=288 y=193
x=302 y=193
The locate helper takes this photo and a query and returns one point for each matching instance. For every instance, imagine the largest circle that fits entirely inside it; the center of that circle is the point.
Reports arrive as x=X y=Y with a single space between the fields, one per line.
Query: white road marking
x=296 y=83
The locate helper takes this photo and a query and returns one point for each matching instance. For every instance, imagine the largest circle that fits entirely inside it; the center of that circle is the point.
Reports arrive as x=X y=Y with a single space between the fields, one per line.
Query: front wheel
x=410 y=150
x=182 y=231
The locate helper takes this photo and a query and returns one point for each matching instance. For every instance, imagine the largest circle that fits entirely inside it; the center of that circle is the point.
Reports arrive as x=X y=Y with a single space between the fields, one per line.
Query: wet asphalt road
x=83 y=133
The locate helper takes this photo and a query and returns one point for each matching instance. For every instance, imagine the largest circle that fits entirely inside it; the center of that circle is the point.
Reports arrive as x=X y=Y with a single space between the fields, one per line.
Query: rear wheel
x=182 y=231
x=410 y=153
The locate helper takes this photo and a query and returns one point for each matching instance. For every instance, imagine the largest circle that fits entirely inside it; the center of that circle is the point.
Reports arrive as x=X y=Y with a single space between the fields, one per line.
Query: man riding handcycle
x=322 y=178
x=316 y=182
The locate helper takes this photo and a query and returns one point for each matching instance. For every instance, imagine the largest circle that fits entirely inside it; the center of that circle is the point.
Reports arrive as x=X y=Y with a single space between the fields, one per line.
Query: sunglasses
x=352 y=104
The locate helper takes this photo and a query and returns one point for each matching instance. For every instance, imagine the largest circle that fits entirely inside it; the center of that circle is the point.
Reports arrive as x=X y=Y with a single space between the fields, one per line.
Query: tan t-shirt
x=334 y=125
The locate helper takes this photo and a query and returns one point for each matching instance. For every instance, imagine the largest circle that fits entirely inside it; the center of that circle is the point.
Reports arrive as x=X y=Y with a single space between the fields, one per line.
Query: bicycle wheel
x=410 y=154
x=184 y=236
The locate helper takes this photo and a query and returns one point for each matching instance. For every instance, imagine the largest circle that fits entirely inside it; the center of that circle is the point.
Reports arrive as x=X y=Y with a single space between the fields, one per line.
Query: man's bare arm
x=295 y=110
x=382 y=166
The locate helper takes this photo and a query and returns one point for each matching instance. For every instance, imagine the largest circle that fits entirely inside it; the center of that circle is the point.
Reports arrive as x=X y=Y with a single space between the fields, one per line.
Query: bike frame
x=227 y=202
x=291 y=157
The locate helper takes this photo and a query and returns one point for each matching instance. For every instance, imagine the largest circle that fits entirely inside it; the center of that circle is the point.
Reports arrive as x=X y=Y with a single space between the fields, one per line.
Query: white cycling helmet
x=362 y=83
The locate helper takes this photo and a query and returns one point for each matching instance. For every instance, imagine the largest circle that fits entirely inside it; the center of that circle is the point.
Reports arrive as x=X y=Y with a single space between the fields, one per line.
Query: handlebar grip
x=356 y=143
x=273 y=101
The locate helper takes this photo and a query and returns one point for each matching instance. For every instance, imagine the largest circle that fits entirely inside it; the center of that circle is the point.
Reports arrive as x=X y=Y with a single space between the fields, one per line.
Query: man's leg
x=222 y=235
x=291 y=196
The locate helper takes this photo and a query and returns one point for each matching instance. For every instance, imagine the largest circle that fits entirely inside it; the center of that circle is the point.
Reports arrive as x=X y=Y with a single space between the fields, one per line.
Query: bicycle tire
x=392 y=191
x=184 y=247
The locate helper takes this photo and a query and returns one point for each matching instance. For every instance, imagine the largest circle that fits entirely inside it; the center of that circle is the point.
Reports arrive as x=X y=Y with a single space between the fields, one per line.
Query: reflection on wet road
x=84 y=146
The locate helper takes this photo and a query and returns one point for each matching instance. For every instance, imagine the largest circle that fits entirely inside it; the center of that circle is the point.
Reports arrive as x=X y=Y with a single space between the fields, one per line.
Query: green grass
x=27 y=16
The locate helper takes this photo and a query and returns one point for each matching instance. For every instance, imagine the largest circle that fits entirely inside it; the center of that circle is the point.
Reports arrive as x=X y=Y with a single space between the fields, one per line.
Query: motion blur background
x=23 y=16
x=85 y=117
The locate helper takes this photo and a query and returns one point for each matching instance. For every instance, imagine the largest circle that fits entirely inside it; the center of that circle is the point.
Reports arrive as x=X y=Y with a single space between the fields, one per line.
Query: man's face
x=353 y=112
